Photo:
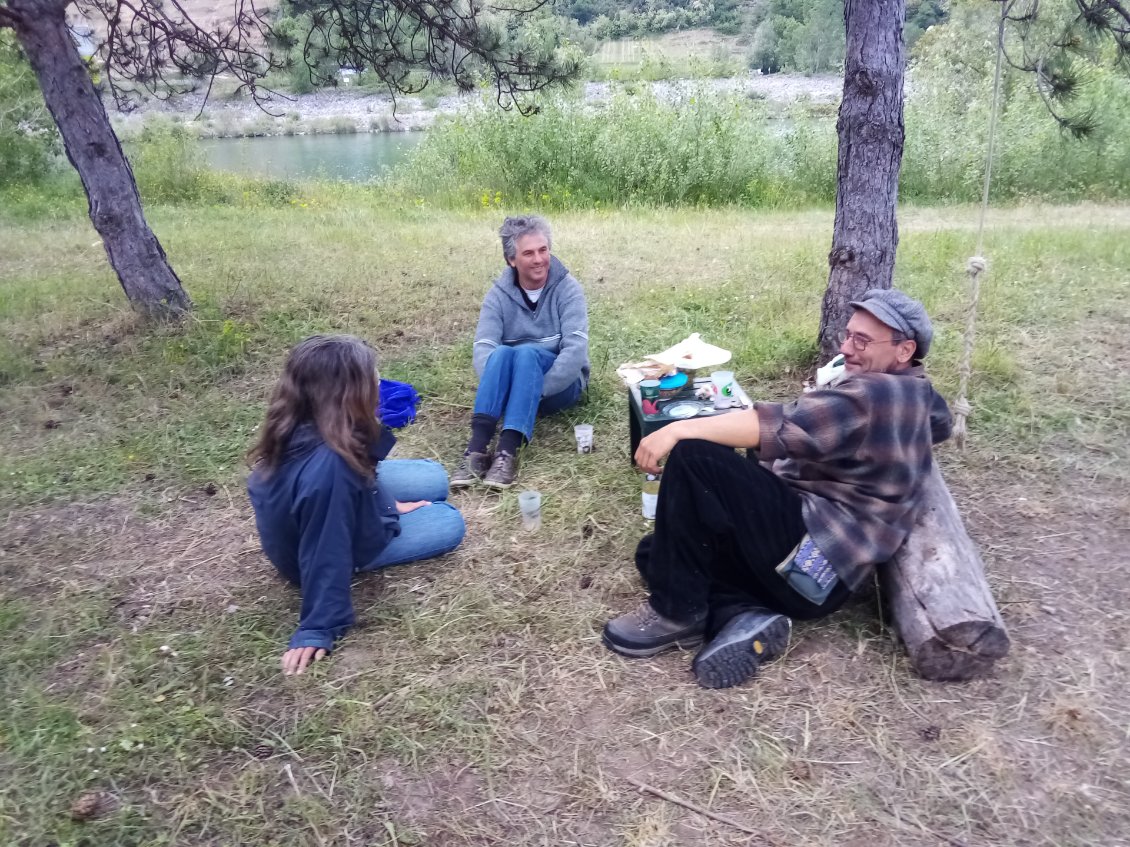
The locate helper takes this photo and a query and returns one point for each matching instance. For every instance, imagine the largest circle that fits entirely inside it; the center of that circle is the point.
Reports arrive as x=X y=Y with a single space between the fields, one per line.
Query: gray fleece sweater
x=559 y=323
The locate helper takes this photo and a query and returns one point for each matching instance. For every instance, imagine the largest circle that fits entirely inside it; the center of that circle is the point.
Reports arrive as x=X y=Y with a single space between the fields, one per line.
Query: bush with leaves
x=701 y=149
x=808 y=35
x=29 y=141
x=799 y=35
x=948 y=115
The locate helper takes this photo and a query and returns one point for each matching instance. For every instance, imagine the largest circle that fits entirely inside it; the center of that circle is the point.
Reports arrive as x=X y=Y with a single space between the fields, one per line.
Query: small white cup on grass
x=583 y=433
x=529 y=504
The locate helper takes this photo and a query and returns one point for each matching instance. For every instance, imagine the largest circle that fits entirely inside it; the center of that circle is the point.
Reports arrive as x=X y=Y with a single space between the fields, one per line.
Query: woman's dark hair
x=330 y=381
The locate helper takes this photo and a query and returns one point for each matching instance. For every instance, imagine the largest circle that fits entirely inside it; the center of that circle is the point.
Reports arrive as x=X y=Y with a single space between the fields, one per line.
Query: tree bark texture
x=150 y=283
x=938 y=596
x=871 y=132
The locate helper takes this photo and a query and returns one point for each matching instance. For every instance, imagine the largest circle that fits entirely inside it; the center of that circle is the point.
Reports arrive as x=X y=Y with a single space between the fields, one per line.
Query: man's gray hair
x=514 y=228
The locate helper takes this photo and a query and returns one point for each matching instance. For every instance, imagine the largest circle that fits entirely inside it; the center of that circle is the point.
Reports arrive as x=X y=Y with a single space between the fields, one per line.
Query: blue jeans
x=428 y=531
x=510 y=388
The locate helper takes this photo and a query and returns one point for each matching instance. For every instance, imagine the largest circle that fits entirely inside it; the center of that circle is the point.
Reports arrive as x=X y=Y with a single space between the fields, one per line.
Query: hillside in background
x=767 y=36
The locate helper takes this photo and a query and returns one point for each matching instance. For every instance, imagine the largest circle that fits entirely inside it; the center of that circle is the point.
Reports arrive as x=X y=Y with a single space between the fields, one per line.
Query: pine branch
x=158 y=48
x=1050 y=60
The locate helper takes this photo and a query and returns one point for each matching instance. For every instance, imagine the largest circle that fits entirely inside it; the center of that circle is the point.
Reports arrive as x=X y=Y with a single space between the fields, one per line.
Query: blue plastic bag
x=398 y=403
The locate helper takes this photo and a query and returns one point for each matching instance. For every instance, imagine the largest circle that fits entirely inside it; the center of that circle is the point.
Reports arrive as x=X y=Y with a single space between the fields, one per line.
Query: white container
x=583 y=433
x=722 y=389
x=529 y=503
x=830 y=372
x=650 y=496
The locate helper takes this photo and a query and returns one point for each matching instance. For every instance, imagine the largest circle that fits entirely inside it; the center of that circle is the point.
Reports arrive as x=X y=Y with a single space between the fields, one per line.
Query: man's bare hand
x=654 y=448
x=296 y=660
x=405 y=508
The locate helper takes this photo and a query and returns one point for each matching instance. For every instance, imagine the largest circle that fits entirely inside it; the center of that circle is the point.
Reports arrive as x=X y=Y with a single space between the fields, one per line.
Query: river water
x=353 y=157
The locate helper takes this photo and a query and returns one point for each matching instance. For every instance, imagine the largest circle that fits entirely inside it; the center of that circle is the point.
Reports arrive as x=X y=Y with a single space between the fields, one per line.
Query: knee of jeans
x=527 y=354
x=451 y=529
x=434 y=477
x=501 y=353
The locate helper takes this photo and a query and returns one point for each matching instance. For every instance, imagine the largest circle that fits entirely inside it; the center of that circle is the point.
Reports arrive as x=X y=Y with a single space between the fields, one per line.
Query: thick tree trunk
x=871 y=135
x=939 y=598
x=151 y=285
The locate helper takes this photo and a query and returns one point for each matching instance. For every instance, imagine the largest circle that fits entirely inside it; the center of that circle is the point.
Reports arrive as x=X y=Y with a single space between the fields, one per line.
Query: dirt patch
x=202 y=549
x=478 y=706
x=554 y=731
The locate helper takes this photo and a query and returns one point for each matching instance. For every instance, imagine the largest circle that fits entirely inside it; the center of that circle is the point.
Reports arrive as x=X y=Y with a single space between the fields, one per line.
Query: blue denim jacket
x=319 y=521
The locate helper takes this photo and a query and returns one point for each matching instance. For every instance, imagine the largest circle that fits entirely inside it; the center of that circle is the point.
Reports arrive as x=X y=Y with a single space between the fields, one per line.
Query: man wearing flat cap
x=742 y=546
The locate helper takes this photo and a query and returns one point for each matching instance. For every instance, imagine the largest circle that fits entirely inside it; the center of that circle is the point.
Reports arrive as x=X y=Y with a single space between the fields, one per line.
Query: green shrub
x=948 y=116
x=708 y=149
x=29 y=142
x=702 y=149
x=806 y=37
x=170 y=167
x=168 y=164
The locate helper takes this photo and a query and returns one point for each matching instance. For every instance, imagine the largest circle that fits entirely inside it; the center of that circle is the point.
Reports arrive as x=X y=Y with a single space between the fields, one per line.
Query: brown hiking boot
x=471 y=469
x=645 y=632
x=503 y=471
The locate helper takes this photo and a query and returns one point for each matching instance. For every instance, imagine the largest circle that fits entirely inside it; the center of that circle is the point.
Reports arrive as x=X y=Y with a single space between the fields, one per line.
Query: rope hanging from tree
x=976 y=265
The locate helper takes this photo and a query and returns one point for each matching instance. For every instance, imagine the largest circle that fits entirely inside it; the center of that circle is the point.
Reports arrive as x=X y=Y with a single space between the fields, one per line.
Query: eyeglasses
x=860 y=342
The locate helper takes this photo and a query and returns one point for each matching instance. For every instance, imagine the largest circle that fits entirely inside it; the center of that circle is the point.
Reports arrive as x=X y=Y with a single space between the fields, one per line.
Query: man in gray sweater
x=531 y=352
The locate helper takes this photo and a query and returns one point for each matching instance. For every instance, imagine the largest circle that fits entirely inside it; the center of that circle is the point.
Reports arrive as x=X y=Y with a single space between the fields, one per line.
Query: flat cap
x=902 y=313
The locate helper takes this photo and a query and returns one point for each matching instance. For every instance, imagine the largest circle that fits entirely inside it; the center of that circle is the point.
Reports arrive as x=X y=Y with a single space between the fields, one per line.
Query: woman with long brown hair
x=327 y=502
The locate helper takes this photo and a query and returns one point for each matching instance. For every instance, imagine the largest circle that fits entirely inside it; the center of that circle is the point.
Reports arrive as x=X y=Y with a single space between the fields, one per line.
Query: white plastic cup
x=529 y=503
x=722 y=388
x=583 y=433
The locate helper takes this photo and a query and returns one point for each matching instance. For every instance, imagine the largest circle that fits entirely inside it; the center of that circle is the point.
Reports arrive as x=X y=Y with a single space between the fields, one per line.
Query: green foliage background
x=28 y=139
x=690 y=146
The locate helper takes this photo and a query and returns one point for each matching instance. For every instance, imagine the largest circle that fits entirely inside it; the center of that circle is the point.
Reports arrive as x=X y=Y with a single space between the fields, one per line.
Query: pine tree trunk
x=871 y=132
x=150 y=284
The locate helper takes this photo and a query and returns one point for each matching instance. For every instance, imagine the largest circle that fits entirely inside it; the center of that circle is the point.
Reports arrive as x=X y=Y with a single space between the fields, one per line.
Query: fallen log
x=938 y=596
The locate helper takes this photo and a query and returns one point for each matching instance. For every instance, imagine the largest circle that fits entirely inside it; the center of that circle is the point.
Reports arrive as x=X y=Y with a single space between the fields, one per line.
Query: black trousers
x=723 y=524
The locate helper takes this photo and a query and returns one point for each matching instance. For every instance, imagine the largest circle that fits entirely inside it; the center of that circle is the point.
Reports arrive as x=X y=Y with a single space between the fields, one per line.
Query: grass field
x=694 y=53
x=681 y=46
x=473 y=704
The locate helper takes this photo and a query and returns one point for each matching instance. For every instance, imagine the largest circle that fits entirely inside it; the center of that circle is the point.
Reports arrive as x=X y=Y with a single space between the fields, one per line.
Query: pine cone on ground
x=263 y=751
x=86 y=806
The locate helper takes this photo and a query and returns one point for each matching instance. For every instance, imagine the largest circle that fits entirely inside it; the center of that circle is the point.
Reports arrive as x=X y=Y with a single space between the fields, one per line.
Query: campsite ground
x=473 y=703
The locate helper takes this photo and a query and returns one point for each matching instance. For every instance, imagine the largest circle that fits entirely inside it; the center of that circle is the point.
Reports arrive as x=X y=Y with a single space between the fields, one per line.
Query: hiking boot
x=645 y=632
x=735 y=653
x=503 y=471
x=471 y=469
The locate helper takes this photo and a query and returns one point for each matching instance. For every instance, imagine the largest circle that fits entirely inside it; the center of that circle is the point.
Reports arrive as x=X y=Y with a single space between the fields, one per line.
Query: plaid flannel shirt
x=856 y=453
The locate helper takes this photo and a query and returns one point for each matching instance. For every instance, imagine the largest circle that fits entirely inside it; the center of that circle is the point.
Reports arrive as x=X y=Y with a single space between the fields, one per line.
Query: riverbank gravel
x=352 y=110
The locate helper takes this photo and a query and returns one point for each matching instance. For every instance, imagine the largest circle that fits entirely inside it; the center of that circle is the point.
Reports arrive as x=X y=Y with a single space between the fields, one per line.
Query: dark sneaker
x=471 y=469
x=503 y=471
x=645 y=632
x=735 y=653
